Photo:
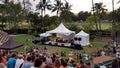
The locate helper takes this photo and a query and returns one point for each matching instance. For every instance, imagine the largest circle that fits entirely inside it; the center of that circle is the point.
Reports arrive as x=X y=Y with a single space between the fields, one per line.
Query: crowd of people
x=37 y=58
x=42 y=58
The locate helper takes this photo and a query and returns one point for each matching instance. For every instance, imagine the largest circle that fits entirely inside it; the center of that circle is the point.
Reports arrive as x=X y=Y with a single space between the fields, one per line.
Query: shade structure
x=62 y=32
x=10 y=45
x=44 y=34
x=61 y=29
x=82 y=38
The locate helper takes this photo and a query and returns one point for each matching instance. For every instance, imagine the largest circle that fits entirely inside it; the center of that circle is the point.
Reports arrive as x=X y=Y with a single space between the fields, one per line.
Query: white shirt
x=33 y=67
x=85 y=56
x=117 y=55
x=48 y=60
x=114 y=44
x=102 y=53
x=18 y=62
x=102 y=66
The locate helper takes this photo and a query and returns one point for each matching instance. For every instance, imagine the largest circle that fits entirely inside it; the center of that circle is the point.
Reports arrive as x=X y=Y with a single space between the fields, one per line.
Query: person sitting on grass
x=105 y=45
x=71 y=53
x=85 y=56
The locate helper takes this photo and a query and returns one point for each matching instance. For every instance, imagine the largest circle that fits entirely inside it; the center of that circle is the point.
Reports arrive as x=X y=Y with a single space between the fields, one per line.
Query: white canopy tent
x=61 y=29
x=82 y=38
x=44 y=34
x=63 y=32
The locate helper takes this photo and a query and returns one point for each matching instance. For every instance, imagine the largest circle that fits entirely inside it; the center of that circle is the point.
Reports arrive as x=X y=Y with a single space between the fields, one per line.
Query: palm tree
x=26 y=4
x=99 y=10
x=58 y=6
x=93 y=9
x=66 y=6
x=42 y=6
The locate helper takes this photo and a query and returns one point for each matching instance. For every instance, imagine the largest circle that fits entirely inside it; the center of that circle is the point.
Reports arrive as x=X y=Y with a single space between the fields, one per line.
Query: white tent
x=61 y=29
x=63 y=32
x=82 y=38
x=45 y=34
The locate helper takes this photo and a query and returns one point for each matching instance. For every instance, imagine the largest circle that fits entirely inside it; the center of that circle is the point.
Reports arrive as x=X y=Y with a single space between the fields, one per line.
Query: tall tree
x=14 y=13
x=26 y=4
x=83 y=15
x=42 y=6
x=3 y=12
x=26 y=8
x=99 y=10
x=58 y=7
x=67 y=6
x=65 y=13
x=66 y=16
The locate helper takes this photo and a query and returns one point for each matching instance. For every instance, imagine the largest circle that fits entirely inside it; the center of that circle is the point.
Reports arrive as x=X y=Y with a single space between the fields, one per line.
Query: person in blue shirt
x=11 y=61
x=28 y=63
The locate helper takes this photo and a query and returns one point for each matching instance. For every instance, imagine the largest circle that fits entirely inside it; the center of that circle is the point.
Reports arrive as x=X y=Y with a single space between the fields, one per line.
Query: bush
x=92 y=37
x=73 y=27
x=29 y=32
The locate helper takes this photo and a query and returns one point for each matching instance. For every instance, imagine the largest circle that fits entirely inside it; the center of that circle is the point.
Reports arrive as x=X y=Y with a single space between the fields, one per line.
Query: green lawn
x=22 y=39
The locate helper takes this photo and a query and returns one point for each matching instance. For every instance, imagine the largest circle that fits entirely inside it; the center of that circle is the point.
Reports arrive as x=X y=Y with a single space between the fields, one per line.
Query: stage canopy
x=61 y=29
x=62 y=32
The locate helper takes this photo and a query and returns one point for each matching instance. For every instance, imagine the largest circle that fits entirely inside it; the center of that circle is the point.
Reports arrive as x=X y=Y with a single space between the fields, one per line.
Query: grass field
x=104 y=26
x=22 y=39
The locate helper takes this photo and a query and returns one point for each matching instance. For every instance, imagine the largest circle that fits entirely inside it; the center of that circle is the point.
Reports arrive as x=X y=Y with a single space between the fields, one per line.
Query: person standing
x=4 y=59
x=19 y=61
x=37 y=63
x=28 y=63
x=1 y=64
x=11 y=61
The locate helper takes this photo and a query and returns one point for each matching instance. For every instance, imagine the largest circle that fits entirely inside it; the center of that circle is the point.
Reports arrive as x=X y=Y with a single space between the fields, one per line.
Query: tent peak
x=61 y=29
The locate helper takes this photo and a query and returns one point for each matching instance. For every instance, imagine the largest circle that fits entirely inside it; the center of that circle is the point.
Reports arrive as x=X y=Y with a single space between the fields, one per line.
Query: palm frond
x=54 y=9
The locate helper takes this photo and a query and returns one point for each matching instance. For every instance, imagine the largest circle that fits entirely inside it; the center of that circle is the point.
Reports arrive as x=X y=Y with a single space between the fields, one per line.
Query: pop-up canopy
x=83 y=38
